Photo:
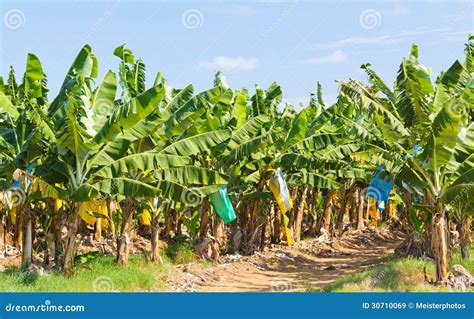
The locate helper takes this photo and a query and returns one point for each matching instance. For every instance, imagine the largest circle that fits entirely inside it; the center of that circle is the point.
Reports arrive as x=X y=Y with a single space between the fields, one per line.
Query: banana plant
x=24 y=133
x=437 y=120
x=89 y=143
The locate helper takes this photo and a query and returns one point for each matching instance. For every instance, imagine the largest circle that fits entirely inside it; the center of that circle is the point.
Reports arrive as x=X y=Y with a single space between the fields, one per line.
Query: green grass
x=180 y=252
x=95 y=272
x=101 y=274
x=397 y=275
x=466 y=263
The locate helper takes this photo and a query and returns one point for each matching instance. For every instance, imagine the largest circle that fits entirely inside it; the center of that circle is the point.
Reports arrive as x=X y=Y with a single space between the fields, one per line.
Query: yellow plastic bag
x=372 y=209
x=97 y=207
x=289 y=239
x=145 y=218
x=13 y=215
x=59 y=204
x=278 y=187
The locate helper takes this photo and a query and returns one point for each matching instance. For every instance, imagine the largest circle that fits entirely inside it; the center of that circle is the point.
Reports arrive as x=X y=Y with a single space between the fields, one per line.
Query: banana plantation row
x=116 y=157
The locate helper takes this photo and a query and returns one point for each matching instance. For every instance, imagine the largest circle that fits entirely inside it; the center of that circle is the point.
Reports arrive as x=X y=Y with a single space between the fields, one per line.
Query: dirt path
x=307 y=264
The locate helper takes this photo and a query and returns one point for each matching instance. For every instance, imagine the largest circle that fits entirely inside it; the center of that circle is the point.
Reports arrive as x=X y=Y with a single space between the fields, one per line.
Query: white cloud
x=382 y=40
x=397 y=11
x=457 y=35
x=239 y=10
x=337 y=56
x=226 y=63
x=274 y=1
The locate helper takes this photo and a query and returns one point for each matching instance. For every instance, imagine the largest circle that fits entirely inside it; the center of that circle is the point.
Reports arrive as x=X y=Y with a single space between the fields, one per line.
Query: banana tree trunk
x=59 y=243
x=407 y=199
x=464 y=236
x=276 y=213
x=70 y=247
x=123 y=242
x=342 y=210
x=2 y=234
x=27 y=252
x=18 y=234
x=58 y=223
x=168 y=223
x=219 y=230
x=255 y=206
x=390 y=210
x=179 y=222
x=299 y=216
x=328 y=208
x=440 y=245
x=352 y=207
x=204 y=223
x=50 y=249
x=155 y=236
x=98 y=229
x=367 y=210
x=360 y=210
x=111 y=206
x=263 y=237
x=218 y=234
x=314 y=205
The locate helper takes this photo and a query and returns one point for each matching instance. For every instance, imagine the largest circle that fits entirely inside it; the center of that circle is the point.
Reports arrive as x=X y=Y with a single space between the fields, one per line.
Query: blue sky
x=295 y=42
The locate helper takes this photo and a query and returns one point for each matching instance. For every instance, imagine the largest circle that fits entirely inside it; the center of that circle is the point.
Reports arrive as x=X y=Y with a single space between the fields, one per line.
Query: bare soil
x=307 y=264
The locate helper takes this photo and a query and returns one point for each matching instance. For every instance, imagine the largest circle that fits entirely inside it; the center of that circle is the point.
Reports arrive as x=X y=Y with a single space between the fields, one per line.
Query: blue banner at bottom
x=237 y=305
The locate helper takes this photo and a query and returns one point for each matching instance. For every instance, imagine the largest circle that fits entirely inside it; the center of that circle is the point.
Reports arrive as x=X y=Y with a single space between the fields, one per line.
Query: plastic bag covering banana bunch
x=380 y=188
x=222 y=204
x=15 y=195
x=145 y=217
x=4 y=203
x=89 y=210
x=278 y=187
x=59 y=202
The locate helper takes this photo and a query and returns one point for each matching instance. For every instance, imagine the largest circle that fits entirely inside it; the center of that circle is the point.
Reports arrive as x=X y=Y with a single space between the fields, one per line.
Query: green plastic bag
x=222 y=204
